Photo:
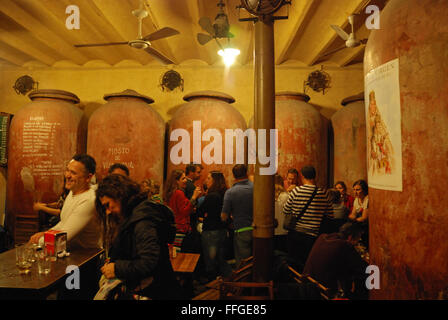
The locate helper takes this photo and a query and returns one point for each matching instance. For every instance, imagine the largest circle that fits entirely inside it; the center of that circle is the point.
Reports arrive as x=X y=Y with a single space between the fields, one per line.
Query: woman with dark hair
x=360 y=212
x=340 y=211
x=345 y=197
x=136 y=234
x=361 y=203
x=281 y=196
x=174 y=197
x=214 y=229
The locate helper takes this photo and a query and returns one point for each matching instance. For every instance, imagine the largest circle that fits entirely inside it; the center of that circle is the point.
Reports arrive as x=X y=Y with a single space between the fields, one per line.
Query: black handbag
x=291 y=219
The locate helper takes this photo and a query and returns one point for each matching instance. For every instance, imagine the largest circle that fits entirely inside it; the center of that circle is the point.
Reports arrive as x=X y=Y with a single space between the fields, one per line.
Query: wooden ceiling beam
x=20 y=43
x=287 y=31
x=12 y=55
x=39 y=31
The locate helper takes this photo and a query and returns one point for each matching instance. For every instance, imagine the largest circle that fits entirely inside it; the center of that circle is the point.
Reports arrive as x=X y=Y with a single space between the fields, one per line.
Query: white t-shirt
x=279 y=203
x=358 y=205
x=79 y=220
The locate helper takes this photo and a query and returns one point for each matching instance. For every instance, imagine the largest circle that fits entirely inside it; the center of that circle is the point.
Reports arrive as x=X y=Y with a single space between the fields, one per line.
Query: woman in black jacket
x=136 y=233
x=213 y=229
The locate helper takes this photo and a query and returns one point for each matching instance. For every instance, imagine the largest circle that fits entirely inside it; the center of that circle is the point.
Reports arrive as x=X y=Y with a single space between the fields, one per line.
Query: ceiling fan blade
x=159 y=56
x=100 y=44
x=332 y=51
x=204 y=38
x=206 y=24
x=340 y=32
x=161 y=33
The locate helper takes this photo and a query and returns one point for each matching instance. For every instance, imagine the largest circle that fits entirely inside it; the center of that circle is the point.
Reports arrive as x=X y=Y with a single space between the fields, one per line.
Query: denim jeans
x=242 y=242
x=213 y=251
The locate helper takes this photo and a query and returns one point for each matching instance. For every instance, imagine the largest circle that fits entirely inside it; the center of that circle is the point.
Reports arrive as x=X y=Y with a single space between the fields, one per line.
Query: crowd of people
x=137 y=226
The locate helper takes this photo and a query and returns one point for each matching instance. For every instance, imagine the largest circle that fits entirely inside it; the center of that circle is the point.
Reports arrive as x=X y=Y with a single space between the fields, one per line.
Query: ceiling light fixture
x=229 y=55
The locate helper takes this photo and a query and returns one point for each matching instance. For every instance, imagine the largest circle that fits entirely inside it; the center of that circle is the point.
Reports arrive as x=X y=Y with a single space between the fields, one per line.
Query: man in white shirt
x=78 y=215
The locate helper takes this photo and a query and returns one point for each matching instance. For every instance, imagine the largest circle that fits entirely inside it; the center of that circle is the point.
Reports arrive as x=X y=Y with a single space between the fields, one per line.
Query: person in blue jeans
x=213 y=229
x=238 y=204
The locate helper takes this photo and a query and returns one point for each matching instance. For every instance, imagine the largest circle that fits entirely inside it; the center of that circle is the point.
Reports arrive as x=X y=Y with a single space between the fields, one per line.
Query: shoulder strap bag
x=291 y=219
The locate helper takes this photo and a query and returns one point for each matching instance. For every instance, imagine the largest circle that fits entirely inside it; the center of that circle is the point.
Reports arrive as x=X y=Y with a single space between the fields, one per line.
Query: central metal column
x=264 y=118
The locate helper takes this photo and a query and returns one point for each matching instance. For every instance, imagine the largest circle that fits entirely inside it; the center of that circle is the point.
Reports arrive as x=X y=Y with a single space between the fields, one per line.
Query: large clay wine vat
x=44 y=135
x=127 y=130
x=349 y=128
x=302 y=135
x=206 y=110
x=408 y=229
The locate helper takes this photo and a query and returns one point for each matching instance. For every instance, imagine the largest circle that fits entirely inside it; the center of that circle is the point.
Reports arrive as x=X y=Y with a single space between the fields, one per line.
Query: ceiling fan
x=350 y=39
x=142 y=42
x=219 y=28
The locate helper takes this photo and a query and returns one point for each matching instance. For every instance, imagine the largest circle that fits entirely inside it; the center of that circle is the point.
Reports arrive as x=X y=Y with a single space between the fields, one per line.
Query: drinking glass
x=23 y=258
x=43 y=262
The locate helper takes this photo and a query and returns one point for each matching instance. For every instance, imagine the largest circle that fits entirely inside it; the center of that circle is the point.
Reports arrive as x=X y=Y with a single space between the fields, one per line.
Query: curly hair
x=119 y=188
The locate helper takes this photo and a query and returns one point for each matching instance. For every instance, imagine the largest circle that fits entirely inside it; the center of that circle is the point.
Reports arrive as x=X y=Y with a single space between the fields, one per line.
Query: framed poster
x=383 y=122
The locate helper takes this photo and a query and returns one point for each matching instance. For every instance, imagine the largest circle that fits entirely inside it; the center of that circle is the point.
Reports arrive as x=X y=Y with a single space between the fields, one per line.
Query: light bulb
x=229 y=55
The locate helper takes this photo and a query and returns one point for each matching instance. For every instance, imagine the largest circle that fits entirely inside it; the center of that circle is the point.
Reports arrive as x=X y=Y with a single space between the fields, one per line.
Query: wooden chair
x=236 y=287
x=304 y=279
x=212 y=293
x=235 y=290
x=324 y=291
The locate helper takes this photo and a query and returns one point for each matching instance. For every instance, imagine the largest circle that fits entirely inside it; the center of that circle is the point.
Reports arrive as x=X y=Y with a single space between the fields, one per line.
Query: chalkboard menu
x=5 y=119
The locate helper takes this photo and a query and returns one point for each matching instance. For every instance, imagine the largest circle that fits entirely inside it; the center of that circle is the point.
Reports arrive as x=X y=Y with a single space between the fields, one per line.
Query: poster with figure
x=383 y=119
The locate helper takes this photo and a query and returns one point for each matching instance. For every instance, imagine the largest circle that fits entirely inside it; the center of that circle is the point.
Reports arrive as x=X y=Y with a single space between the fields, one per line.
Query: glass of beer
x=23 y=258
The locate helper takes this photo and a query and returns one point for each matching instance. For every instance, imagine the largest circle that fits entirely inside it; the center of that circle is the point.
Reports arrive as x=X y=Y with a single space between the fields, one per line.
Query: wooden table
x=184 y=262
x=34 y=285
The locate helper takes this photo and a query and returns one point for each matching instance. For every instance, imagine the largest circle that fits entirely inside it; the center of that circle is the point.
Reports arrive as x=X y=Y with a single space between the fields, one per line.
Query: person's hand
x=197 y=192
x=291 y=187
x=108 y=270
x=35 y=237
x=38 y=206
